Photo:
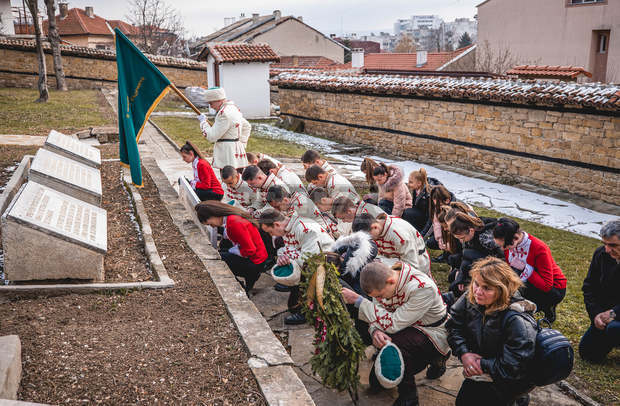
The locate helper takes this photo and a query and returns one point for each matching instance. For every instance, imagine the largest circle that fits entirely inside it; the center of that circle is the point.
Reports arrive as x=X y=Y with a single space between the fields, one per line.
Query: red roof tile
x=78 y=23
x=523 y=92
x=231 y=52
x=126 y=28
x=552 y=72
x=408 y=62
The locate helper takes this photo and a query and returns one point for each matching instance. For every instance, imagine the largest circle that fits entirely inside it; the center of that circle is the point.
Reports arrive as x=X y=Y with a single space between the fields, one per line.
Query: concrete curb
x=10 y=366
x=160 y=275
x=269 y=361
x=163 y=134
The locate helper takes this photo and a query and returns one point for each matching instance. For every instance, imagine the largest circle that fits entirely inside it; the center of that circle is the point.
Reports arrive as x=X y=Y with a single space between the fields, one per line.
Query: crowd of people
x=269 y=220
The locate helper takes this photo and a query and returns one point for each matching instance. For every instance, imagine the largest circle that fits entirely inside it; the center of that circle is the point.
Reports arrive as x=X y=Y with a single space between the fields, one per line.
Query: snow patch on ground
x=505 y=199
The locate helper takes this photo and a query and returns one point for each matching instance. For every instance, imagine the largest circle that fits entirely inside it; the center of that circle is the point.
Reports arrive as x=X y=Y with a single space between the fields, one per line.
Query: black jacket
x=601 y=288
x=506 y=350
x=480 y=246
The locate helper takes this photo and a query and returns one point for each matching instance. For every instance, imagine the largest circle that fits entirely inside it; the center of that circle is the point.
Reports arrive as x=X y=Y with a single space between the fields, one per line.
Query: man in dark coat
x=602 y=298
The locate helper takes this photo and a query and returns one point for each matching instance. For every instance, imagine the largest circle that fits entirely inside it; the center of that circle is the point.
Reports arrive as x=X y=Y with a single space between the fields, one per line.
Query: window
x=602 y=43
x=583 y=2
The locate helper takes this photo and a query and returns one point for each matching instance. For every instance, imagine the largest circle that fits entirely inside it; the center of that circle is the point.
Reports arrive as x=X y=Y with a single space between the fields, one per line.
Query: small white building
x=243 y=71
x=6 y=18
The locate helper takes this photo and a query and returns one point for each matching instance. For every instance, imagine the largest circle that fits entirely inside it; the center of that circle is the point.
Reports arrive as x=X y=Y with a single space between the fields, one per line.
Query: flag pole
x=186 y=100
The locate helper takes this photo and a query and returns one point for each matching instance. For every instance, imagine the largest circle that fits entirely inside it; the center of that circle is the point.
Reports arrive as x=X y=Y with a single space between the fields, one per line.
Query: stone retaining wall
x=560 y=149
x=19 y=68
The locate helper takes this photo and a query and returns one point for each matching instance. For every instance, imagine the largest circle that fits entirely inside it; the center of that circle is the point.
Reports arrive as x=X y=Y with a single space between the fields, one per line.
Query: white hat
x=389 y=366
x=214 y=94
x=288 y=275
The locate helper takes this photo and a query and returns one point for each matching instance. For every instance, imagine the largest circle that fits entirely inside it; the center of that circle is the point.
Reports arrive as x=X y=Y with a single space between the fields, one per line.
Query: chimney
x=300 y=18
x=254 y=17
x=64 y=9
x=295 y=60
x=242 y=16
x=89 y=11
x=277 y=14
x=357 y=58
x=421 y=58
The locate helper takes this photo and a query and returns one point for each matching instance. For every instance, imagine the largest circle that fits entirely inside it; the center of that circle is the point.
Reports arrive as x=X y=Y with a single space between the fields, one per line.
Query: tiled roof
x=126 y=28
x=525 y=92
x=544 y=71
x=230 y=52
x=304 y=62
x=367 y=46
x=408 y=62
x=78 y=23
x=247 y=29
x=29 y=45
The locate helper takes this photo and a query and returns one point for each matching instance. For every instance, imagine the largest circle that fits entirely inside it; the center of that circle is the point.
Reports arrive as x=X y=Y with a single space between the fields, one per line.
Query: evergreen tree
x=465 y=40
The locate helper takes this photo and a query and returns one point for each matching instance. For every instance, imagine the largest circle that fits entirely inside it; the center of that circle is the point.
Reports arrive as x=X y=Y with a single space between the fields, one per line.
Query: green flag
x=141 y=86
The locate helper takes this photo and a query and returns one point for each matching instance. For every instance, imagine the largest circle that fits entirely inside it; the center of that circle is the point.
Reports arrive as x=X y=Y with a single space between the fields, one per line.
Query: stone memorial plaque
x=49 y=235
x=72 y=148
x=189 y=199
x=66 y=176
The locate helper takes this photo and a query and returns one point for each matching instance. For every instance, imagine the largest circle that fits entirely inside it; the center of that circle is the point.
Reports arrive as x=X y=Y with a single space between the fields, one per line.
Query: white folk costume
x=227 y=133
x=272 y=180
x=246 y=130
x=305 y=208
x=416 y=303
x=244 y=196
x=337 y=185
x=291 y=180
x=368 y=208
x=401 y=240
x=303 y=237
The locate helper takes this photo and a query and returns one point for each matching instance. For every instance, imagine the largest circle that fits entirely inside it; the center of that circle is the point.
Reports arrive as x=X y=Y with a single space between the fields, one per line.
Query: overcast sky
x=202 y=17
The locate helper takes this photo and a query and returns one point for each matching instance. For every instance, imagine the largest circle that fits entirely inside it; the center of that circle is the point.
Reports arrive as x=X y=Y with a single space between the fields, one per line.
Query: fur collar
x=364 y=248
x=394 y=179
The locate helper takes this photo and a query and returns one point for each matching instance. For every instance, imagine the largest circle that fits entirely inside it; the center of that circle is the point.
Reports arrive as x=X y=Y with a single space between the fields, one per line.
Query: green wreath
x=338 y=345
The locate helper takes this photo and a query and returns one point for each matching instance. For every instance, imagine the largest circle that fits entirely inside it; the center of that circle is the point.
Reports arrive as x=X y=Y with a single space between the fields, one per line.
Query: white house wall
x=247 y=85
x=6 y=23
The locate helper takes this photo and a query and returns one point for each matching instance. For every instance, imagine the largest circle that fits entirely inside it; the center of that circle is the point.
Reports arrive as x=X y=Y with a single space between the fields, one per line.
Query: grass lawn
x=67 y=112
x=182 y=129
x=573 y=253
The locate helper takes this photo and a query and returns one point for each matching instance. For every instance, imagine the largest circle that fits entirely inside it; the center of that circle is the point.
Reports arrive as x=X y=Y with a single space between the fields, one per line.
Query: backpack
x=553 y=360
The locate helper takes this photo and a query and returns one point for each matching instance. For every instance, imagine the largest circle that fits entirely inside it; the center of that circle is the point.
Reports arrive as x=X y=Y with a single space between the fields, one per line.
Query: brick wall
x=562 y=150
x=19 y=68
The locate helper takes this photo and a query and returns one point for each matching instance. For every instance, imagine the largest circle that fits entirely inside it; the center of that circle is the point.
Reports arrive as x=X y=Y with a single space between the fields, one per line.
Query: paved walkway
x=272 y=306
x=18 y=139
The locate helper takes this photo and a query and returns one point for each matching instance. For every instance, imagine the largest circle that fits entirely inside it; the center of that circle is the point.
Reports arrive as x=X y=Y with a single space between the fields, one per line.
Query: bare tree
x=33 y=6
x=54 y=38
x=406 y=45
x=157 y=23
x=494 y=60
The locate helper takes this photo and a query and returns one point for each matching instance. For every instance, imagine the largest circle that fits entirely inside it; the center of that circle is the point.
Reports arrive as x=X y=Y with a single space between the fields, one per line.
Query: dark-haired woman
x=439 y=196
x=205 y=183
x=248 y=256
x=492 y=331
x=544 y=282
x=394 y=196
x=476 y=237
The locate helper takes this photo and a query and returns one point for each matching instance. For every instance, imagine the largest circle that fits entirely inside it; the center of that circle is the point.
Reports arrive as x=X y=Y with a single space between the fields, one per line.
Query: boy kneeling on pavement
x=408 y=311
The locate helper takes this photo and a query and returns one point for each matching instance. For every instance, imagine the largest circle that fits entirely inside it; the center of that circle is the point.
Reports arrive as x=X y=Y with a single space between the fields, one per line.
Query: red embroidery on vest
x=402 y=242
x=384 y=321
x=306 y=229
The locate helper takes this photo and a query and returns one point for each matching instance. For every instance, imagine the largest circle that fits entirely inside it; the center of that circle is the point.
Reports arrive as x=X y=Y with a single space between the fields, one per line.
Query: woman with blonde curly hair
x=495 y=348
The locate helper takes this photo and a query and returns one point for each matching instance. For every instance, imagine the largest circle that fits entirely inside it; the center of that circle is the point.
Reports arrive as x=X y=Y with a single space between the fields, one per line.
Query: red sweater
x=546 y=274
x=206 y=177
x=244 y=234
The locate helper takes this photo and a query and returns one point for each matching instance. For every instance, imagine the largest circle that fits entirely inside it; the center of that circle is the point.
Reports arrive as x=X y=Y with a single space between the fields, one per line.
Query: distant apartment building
x=417 y=23
x=584 y=33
